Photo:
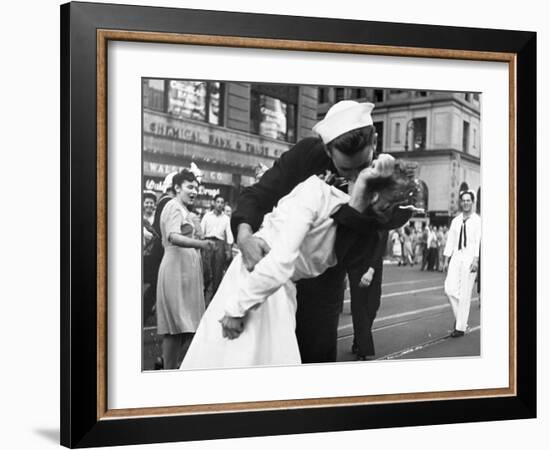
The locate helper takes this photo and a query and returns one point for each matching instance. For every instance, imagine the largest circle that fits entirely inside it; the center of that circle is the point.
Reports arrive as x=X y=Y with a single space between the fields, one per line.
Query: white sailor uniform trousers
x=463 y=244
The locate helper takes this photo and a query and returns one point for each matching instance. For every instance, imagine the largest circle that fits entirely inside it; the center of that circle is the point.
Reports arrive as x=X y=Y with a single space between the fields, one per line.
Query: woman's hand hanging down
x=232 y=327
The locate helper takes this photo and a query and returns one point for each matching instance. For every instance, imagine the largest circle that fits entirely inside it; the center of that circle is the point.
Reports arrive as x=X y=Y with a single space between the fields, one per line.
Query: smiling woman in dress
x=180 y=297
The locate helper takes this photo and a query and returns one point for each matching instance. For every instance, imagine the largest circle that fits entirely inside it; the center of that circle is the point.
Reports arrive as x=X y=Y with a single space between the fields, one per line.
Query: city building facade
x=438 y=130
x=231 y=131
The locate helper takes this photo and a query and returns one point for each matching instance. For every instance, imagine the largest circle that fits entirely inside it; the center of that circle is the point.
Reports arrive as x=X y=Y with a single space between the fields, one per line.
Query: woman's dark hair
x=400 y=189
x=182 y=177
x=353 y=141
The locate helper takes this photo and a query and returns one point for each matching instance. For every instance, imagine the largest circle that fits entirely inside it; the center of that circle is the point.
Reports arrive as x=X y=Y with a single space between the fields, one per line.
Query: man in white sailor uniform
x=462 y=260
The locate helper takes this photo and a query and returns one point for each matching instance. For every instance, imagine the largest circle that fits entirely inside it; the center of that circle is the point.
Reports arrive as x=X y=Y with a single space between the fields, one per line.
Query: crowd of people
x=424 y=246
x=266 y=286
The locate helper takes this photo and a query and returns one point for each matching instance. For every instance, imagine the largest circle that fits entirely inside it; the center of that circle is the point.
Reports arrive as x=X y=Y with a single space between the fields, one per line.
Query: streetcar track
x=396 y=283
x=414 y=312
x=403 y=293
x=422 y=346
x=394 y=324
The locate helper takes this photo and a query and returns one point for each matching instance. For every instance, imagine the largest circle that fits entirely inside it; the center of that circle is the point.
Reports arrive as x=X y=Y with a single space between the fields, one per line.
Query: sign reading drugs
x=223 y=138
x=157 y=185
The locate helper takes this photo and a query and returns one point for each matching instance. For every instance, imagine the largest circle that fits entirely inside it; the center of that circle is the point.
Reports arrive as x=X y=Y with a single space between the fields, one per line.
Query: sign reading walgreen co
x=209 y=176
x=214 y=136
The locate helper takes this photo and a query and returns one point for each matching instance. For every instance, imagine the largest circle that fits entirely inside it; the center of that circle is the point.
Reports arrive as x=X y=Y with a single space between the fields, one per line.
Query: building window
x=421 y=93
x=423 y=196
x=339 y=94
x=271 y=116
x=476 y=97
x=465 y=137
x=357 y=93
x=153 y=94
x=467 y=96
x=397 y=133
x=322 y=95
x=474 y=138
x=379 y=95
x=398 y=94
x=379 y=127
x=198 y=100
x=419 y=133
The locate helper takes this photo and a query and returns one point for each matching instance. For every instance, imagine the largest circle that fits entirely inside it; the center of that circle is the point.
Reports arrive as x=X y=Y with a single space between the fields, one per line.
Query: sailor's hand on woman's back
x=253 y=248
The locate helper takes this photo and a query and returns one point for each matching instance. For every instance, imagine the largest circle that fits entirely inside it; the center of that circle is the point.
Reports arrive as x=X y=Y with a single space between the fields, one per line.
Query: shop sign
x=209 y=176
x=247 y=181
x=205 y=191
x=153 y=185
x=210 y=192
x=222 y=138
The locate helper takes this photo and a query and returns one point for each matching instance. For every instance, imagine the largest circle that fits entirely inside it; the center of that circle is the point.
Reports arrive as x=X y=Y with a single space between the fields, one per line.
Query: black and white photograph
x=296 y=224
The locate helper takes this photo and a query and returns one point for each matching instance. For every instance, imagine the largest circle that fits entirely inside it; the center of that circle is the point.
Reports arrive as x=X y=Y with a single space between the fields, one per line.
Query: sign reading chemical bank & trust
x=165 y=126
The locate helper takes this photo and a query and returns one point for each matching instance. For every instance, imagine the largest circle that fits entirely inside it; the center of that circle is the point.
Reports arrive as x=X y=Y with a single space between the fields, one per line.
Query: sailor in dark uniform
x=344 y=147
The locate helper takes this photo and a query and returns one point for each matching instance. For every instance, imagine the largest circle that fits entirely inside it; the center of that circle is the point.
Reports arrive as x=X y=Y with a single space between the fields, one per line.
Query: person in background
x=423 y=246
x=408 y=256
x=149 y=243
x=365 y=275
x=462 y=249
x=149 y=206
x=180 y=291
x=442 y=241
x=148 y=214
x=432 y=248
x=228 y=210
x=397 y=249
x=365 y=282
x=216 y=228
x=414 y=244
x=168 y=194
x=259 y=171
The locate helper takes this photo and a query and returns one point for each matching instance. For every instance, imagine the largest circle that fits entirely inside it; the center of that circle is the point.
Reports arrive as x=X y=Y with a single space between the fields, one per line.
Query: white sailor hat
x=167 y=183
x=342 y=117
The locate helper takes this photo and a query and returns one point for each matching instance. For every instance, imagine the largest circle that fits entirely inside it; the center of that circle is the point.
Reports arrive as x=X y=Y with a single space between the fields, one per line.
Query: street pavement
x=414 y=321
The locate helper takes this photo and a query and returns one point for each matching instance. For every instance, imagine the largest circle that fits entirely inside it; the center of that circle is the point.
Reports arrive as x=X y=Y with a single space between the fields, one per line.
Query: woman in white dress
x=251 y=319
